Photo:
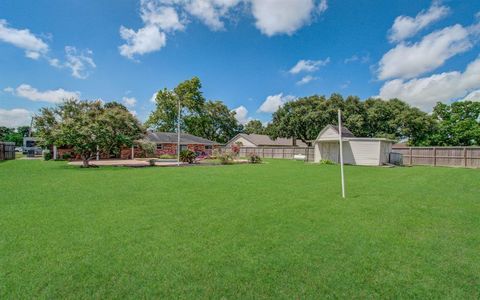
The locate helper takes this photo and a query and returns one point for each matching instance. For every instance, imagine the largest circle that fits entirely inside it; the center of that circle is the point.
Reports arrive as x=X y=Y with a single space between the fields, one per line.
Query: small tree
x=147 y=147
x=87 y=126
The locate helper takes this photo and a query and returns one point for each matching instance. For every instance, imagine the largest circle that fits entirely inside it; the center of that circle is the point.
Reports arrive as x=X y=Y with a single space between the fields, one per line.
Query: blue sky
x=252 y=54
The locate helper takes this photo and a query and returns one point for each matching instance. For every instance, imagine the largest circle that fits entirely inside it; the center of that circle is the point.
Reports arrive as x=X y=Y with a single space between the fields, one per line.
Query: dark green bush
x=66 y=156
x=47 y=155
x=254 y=158
x=187 y=156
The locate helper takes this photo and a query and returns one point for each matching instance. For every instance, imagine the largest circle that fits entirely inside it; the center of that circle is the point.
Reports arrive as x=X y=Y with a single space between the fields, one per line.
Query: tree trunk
x=85 y=163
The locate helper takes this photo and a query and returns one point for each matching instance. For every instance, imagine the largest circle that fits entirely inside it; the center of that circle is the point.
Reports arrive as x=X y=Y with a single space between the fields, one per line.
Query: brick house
x=167 y=144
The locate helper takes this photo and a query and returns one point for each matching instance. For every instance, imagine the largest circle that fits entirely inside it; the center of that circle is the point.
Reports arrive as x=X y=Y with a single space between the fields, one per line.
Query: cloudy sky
x=253 y=54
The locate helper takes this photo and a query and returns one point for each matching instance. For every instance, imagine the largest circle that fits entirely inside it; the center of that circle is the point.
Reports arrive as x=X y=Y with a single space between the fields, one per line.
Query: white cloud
x=211 y=12
x=15 y=117
x=323 y=6
x=22 y=38
x=306 y=79
x=283 y=16
x=425 y=92
x=145 y=40
x=129 y=101
x=241 y=114
x=79 y=62
x=405 y=26
x=272 y=103
x=164 y=17
x=52 y=96
x=407 y=61
x=356 y=58
x=473 y=96
x=153 y=98
x=160 y=17
x=308 y=65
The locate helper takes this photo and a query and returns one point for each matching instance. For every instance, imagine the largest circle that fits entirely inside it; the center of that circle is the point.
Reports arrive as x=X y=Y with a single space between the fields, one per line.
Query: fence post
x=434 y=156
x=465 y=156
x=410 y=156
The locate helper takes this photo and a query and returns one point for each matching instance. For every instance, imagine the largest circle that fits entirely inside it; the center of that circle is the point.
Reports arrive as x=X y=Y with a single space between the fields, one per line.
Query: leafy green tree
x=4 y=131
x=23 y=130
x=254 y=127
x=87 y=126
x=219 y=122
x=12 y=135
x=164 y=117
x=305 y=117
x=208 y=119
x=458 y=124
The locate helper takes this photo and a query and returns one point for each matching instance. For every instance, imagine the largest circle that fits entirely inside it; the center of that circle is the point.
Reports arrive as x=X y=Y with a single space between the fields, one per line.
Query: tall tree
x=458 y=124
x=209 y=119
x=305 y=117
x=87 y=126
x=254 y=127
x=164 y=117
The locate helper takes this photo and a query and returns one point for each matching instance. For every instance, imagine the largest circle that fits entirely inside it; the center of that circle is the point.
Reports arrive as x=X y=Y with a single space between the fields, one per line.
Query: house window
x=208 y=147
x=159 y=146
x=183 y=147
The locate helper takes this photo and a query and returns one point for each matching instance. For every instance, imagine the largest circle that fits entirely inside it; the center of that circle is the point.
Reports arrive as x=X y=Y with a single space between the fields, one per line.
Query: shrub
x=148 y=148
x=254 y=158
x=226 y=158
x=167 y=156
x=47 y=155
x=215 y=154
x=326 y=162
x=235 y=150
x=187 y=156
x=66 y=156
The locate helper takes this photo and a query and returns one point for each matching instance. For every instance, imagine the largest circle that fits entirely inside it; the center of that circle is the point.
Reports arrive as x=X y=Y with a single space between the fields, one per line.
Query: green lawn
x=276 y=230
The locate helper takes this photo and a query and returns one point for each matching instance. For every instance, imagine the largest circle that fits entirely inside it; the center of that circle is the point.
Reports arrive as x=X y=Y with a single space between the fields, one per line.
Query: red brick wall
x=170 y=149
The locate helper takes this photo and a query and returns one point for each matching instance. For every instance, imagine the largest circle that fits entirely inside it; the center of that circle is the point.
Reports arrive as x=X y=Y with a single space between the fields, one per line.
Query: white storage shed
x=356 y=150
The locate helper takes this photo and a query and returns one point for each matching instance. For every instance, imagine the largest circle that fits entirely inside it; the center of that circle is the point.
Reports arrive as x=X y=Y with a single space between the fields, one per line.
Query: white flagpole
x=341 y=150
x=178 y=131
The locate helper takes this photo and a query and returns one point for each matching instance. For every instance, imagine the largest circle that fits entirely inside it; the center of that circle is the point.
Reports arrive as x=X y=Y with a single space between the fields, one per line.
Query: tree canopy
x=254 y=126
x=305 y=117
x=14 y=135
x=208 y=119
x=458 y=124
x=87 y=127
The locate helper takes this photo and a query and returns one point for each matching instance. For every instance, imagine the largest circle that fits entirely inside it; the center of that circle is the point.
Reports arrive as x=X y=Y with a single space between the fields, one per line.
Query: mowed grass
x=276 y=230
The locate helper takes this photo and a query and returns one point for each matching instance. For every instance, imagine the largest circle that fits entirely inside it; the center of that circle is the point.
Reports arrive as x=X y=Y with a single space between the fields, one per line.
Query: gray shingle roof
x=171 y=138
x=345 y=131
x=265 y=140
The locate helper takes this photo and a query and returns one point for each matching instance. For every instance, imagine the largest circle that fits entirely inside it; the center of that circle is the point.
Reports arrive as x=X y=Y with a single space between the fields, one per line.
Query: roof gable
x=331 y=132
x=265 y=140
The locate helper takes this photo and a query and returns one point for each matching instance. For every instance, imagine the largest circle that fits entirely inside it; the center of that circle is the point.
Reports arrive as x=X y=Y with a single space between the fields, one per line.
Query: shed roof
x=265 y=140
x=171 y=138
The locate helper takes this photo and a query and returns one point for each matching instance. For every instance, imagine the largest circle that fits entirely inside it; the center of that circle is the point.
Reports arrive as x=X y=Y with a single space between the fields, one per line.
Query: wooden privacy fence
x=278 y=152
x=7 y=150
x=467 y=157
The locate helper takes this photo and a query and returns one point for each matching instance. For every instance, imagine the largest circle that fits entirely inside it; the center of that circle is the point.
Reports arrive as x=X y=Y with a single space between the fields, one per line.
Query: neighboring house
x=261 y=140
x=356 y=150
x=30 y=146
x=167 y=144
